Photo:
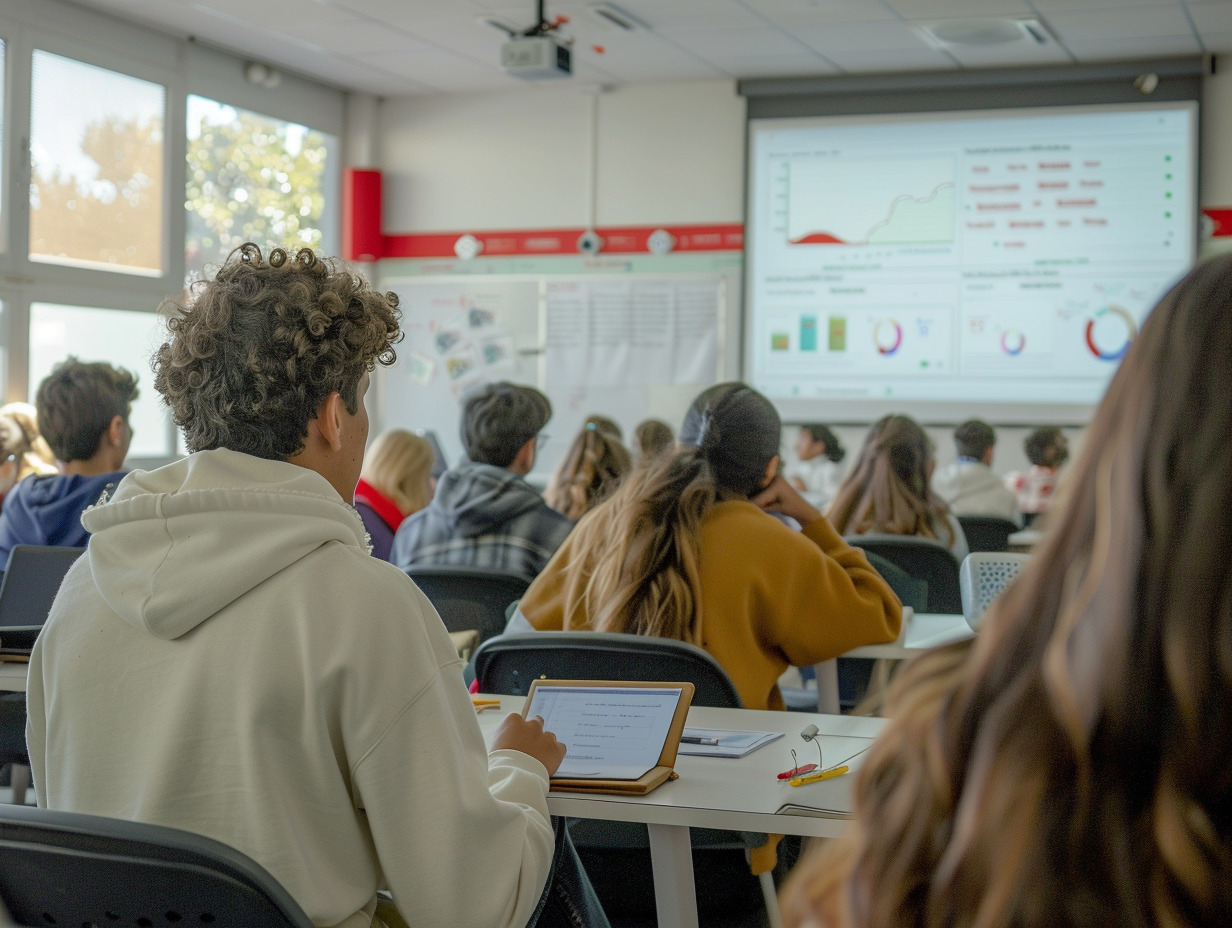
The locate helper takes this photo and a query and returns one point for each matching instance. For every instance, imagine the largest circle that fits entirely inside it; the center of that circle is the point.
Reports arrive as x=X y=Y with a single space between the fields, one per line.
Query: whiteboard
x=628 y=346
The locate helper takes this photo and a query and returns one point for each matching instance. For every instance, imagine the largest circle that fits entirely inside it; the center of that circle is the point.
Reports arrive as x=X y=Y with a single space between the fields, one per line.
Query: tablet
x=619 y=736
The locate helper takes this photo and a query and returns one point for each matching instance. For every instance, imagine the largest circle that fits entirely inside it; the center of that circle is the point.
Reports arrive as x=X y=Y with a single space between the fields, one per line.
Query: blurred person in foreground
x=1068 y=768
x=228 y=659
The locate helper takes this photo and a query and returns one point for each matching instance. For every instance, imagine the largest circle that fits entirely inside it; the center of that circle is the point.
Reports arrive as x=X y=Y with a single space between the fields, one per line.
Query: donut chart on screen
x=888 y=336
x=1012 y=342
x=1111 y=352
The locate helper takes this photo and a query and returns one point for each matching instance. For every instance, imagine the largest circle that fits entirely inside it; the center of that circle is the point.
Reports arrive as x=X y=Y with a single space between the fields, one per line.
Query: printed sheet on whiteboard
x=611 y=732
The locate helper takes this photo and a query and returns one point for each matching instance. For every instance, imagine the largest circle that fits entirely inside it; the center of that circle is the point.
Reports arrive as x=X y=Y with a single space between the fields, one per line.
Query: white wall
x=667 y=153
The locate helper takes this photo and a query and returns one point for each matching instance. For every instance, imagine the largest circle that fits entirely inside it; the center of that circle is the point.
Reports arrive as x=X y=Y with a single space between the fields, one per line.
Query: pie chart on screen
x=1110 y=332
x=888 y=336
x=1012 y=342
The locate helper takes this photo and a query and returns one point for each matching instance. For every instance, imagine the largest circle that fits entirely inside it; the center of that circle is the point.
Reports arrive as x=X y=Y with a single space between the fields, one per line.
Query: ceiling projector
x=535 y=57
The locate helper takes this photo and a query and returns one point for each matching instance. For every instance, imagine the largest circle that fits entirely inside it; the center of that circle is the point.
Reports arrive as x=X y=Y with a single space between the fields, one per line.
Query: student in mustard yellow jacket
x=687 y=549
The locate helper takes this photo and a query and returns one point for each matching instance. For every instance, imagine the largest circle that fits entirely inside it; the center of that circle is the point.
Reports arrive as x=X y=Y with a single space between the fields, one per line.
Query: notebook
x=621 y=737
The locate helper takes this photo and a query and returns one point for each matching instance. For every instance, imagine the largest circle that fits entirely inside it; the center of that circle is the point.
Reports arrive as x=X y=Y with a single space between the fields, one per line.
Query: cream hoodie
x=228 y=659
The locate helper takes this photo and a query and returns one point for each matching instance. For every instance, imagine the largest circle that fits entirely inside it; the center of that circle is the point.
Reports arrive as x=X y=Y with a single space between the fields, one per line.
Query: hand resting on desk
x=527 y=735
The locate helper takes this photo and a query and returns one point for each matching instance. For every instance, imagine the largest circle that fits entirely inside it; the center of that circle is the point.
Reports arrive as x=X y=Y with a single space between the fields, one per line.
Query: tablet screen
x=609 y=732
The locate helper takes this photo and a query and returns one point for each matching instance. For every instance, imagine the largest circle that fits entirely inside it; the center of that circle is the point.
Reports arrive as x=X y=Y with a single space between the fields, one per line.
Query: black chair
x=27 y=591
x=470 y=597
x=923 y=559
x=615 y=853
x=987 y=533
x=509 y=664
x=65 y=868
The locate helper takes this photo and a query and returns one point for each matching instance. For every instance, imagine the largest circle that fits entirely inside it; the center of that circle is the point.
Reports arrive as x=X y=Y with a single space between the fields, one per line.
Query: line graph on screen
x=858 y=202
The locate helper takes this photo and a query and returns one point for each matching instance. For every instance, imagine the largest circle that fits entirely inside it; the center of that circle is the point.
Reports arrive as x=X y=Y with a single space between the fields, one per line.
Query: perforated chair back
x=31 y=582
x=509 y=664
x=923 y=559
x=983 y=577
x=470 y=598
x=987 y=533
x=65 y=868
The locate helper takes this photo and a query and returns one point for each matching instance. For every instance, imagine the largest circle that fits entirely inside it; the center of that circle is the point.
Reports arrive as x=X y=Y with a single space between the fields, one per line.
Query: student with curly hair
x=888 y=492
x=1068 y=768
x=1047 y=449
x=228 y=659
x=589 y=473
x=84 y=410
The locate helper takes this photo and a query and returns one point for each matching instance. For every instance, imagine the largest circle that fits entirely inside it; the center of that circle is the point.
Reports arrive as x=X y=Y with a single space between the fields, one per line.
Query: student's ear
x=524 y=462
x=329 y=420
x=772 y=471
x=115 y=431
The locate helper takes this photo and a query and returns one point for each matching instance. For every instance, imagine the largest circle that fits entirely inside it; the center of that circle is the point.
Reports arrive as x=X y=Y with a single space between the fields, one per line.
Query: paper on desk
x=732 y=742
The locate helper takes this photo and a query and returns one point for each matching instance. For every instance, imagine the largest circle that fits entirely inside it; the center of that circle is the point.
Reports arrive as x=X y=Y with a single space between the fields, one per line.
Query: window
x=251 y=178
x=96 y=167
x=120 y=337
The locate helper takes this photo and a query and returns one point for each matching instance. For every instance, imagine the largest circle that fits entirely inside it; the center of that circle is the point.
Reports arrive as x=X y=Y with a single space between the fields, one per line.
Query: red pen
x=799 y=771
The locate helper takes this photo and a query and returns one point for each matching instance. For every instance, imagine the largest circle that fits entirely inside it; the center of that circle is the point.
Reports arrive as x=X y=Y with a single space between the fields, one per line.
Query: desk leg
x=671 y=860
x=827 y=687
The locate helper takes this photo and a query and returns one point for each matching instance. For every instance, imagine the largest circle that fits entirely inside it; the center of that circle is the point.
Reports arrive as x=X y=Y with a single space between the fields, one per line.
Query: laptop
x=27 y=591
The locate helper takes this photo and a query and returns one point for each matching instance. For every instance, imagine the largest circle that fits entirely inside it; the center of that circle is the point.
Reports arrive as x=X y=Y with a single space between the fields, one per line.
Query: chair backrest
x=987 y=533
x=65 y=868
x=983 y=577
x=909 y=590
x=470 y=597
x=924 y=559
x=509 y=664
x=31 y=582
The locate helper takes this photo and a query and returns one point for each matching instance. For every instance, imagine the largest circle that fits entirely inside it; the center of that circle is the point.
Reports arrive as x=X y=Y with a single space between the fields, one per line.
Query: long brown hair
x=590 y=471
x=1071 y=766
x=646 y=537
x=888 y=489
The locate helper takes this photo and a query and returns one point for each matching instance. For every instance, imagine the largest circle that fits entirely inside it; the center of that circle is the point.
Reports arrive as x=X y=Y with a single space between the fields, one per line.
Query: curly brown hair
x=264 y=343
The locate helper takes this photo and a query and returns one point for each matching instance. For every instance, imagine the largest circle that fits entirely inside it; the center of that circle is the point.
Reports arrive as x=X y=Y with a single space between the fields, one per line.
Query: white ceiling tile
x=1218 y=42
x=875 y=62
x=356 y=36
x=1048 y=6
x=732 y=42
x=1143 y=22
x=812 y=12
x=776 y=66
x=1007 y=56
x=668 y=15
x=1113 y=49
x=1211 y=17
x=856 y=37
x=954 y=9
x=274 y=14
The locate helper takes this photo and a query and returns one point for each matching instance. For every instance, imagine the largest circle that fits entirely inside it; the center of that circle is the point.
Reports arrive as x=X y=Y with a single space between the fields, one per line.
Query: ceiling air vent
x=984 y=32
x=612 y=15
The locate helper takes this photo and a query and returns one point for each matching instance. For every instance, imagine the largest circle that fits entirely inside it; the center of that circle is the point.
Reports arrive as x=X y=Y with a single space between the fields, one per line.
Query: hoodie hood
x=478 y=499
x=175 y=545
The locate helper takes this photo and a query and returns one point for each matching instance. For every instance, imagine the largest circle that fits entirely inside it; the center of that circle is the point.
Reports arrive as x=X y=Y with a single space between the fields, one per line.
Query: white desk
x=13 y=676
x=1025 y=539
x=920 y=632
x=733 y=794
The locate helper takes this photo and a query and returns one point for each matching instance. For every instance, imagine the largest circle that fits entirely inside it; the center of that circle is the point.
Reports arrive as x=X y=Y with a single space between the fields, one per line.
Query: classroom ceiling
x=401 y=47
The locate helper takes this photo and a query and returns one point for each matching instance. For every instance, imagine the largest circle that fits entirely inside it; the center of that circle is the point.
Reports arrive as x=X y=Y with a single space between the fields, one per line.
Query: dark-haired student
x=484 y=514
x=968 y=486
x=816 y=472
x=83 y=410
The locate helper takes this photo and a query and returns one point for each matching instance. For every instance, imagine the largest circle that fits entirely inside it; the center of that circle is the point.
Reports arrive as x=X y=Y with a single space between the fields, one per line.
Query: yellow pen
x=818 y=777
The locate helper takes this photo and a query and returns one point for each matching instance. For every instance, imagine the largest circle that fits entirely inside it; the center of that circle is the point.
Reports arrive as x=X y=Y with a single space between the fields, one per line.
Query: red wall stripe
x=523 y=242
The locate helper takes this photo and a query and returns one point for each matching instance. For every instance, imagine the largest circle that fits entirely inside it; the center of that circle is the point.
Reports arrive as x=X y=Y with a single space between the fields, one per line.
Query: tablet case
x=654 y=777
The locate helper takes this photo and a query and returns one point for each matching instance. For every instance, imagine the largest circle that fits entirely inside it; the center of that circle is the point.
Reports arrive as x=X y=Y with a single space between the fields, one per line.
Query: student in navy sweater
x=83 y=410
